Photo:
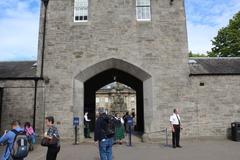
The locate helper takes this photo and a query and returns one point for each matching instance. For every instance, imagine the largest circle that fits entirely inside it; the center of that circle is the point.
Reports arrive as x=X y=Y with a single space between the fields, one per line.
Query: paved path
x=192 y=150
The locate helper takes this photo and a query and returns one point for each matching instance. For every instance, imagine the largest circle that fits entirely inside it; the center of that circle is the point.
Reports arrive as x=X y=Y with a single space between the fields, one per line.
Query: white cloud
x=18 y=30
x=205 y=18
x=19 y=20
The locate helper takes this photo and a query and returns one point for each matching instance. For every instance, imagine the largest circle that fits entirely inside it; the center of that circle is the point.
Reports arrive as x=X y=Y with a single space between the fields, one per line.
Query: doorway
x=92 y=85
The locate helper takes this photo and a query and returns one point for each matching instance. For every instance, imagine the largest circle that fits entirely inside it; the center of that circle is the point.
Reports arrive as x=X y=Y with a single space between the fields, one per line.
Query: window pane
x=143 y=13
x=148 y=14
x=106 y=100
x=143 y=2
x=97 y=100
x=138 y=13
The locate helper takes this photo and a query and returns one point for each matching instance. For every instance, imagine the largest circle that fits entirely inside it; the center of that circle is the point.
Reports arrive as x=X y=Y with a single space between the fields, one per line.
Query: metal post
x=166 y=132
x=76 y=135
x=130 y=135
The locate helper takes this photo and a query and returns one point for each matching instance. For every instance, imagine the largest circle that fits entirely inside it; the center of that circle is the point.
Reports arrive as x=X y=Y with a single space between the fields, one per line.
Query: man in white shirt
x=176 y=127
x=87 y=126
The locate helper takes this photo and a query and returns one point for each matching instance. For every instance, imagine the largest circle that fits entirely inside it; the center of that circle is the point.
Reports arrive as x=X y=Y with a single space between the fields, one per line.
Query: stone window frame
x=143 y=10
x=81 y=10
x=97 y=99
x=106 y=100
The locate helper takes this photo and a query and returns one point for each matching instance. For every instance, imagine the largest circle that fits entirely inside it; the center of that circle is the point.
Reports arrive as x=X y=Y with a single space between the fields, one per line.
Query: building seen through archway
x=116 y=98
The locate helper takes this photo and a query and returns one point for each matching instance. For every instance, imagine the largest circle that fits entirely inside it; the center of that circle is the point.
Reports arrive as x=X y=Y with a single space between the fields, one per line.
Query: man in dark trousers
x=100 y=135
x=176 y=127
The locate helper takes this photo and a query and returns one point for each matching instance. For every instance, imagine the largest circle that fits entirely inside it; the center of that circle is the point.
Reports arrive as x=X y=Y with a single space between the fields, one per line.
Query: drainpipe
x=35 y=104
x=45 y=3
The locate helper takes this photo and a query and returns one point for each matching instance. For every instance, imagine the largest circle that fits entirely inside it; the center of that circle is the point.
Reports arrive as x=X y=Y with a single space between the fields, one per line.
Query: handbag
x=46 y=142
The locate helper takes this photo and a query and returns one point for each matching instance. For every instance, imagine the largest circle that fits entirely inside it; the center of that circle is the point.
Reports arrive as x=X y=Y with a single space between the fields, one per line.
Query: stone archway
x=85 y=87
x=106 y=77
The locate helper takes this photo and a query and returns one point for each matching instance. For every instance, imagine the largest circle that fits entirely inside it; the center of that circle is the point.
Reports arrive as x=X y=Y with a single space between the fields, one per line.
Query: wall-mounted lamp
x=46 y=80
x=171 y=2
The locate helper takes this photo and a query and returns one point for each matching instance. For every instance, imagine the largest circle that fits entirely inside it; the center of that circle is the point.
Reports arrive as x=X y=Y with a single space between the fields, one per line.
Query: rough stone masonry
x=155 y=52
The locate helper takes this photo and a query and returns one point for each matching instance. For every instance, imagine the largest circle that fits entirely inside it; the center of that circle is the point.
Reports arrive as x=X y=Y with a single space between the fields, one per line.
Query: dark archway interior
x=106 y=77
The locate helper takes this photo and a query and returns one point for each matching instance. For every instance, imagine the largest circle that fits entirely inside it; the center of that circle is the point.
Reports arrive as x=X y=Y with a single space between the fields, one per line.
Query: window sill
x=79 y=23
x=143 y=20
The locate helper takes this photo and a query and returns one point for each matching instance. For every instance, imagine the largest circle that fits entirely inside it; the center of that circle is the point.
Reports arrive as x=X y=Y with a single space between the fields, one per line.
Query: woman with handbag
x=51 y=139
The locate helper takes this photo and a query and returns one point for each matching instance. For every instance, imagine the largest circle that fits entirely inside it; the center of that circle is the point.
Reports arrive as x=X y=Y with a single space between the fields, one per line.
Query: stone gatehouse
x=85 y=45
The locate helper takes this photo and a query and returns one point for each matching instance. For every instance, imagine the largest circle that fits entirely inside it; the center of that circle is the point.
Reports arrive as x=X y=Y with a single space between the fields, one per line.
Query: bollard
x=130 y=135
x=166 y=133
x=75 y=135
x=130 y=124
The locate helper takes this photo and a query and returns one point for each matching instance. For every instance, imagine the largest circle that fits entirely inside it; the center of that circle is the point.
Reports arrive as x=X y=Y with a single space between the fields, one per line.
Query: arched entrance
x=92 y=78
x=109 y=76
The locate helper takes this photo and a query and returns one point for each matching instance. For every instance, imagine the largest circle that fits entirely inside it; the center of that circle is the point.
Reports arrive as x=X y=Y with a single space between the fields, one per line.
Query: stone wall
x=216 y=104
x=157 y=47
x=206 y=111
x=18 y=102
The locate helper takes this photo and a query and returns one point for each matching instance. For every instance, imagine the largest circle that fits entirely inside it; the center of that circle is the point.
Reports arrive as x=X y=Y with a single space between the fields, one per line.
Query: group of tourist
x=120 y=124
x=103 y=136
x=107 y=130
x=10 y=139
x=20 y=140
x=106 y=134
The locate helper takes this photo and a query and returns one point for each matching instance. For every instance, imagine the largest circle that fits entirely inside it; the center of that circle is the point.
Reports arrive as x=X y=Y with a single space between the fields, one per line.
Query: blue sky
x=19 y=21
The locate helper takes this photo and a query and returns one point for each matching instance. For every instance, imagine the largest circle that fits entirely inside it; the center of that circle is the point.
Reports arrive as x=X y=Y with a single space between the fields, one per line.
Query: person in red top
x=30 y=134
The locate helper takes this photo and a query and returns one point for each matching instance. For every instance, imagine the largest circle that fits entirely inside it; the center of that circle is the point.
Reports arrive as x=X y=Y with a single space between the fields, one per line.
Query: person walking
x=87 y=126
x=50 y=134
x=176 y=127
x=125 y=118
x=30 y=134
x=8 y=138
x=102 y=137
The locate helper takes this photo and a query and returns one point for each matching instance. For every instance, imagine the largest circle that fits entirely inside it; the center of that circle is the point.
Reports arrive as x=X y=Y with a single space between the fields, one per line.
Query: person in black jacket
x=104 y=141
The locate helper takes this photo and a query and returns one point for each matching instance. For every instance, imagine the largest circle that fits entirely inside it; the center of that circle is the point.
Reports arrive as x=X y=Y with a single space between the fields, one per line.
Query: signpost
x=76 y=122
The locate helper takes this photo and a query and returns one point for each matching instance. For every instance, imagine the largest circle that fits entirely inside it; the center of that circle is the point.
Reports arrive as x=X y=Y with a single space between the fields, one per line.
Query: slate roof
x=198 y=66
x=17 y=69
x=214 y=66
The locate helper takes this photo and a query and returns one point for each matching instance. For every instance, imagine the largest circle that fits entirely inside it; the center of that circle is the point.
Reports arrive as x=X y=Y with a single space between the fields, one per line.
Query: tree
x=227 y=42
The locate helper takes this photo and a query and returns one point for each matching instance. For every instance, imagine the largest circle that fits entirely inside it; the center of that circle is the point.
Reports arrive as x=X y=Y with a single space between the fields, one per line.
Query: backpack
x=20 y=146
x=109 y=129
